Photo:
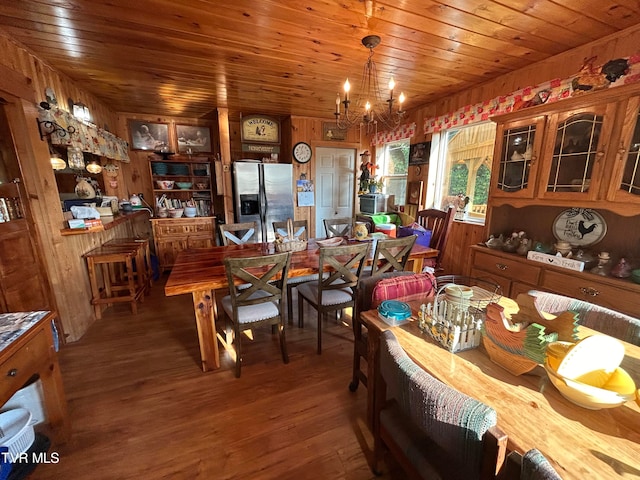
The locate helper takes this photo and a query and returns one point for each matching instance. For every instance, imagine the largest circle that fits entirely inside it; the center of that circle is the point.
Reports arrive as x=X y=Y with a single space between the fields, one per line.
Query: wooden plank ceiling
x=187 y=57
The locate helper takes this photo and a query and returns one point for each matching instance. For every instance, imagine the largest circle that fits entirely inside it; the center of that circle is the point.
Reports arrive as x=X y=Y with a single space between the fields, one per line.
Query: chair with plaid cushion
x=431 y=429
x=402 y=286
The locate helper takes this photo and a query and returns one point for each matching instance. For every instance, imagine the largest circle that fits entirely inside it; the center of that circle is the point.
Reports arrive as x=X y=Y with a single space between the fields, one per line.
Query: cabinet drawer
x=592 y=291
x=505 y=283
x=178 y=230
x=506 y=267
x=16 y=369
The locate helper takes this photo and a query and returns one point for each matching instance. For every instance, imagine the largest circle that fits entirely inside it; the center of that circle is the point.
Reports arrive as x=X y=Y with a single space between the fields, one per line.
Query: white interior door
x=335 y=183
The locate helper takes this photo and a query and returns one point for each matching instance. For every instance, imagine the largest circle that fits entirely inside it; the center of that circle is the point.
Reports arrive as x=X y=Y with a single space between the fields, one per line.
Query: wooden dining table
x=200 y=272
x=580 y=443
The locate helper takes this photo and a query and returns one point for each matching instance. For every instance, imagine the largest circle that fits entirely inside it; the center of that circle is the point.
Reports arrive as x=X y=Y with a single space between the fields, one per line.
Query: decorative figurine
x=603 y=266
x=622 y=269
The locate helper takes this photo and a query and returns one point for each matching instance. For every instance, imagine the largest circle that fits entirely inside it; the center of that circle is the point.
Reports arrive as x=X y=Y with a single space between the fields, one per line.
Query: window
x=463 y=170
x=392 y=166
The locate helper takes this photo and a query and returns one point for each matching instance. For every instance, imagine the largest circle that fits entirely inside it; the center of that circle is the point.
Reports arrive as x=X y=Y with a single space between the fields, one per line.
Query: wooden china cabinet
x=581 y=152
x=194 y=181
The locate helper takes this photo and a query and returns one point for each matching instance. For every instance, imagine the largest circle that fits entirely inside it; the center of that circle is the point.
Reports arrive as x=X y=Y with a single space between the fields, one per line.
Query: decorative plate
x=580 y=226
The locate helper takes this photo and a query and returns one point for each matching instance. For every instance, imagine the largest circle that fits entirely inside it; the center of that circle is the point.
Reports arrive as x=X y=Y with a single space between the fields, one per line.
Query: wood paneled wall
x=64 y=266
x=561 y=66
x=137 y=174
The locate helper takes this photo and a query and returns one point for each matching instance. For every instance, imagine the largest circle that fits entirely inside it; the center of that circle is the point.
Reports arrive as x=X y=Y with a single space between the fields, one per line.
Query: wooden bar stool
x=113 y=265
x=143 y=259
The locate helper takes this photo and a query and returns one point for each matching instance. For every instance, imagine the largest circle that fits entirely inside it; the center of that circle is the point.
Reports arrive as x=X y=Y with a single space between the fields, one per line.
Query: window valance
x=401 y=132
x=86 y=136
x=620 y=72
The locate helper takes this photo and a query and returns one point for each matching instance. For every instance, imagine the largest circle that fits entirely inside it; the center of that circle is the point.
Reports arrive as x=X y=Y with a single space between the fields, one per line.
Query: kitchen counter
x=107 y=223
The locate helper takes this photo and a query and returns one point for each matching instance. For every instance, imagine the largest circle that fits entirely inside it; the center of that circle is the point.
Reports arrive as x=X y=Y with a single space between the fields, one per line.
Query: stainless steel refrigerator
x=263 y=193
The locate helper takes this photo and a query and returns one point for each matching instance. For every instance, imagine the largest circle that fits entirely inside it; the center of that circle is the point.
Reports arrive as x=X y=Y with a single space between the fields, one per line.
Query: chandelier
x=370 y=108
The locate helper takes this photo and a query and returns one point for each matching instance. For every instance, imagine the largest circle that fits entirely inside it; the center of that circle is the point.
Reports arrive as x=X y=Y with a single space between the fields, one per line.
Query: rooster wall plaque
x=579 y=226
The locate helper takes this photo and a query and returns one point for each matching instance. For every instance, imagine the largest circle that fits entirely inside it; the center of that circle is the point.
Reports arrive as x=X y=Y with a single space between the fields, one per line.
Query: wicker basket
x=289 y=243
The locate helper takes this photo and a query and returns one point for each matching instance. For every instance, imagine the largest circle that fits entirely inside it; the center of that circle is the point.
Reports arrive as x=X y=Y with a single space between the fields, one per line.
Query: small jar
x=360 y=231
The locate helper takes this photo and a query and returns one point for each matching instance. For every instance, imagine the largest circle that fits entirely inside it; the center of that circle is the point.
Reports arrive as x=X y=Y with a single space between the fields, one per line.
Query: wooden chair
x=259 y=303
x=398 y=285
x=604 y=320
x=238 y=233
x=431 y=429
x=390 y=255
x=338 y=227
x=301 y=231
x=439 y=222
x=334 y=291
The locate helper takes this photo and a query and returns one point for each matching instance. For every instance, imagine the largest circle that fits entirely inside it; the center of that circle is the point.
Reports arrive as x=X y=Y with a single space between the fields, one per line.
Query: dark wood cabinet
x=24 y=285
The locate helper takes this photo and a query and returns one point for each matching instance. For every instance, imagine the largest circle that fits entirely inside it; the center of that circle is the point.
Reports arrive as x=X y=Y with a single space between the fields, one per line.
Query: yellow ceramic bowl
x=556 y=351
x=594 y=353
x=590 y=397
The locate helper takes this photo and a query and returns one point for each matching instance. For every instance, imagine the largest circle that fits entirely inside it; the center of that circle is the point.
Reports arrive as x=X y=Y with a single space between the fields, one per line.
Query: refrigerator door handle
x=263 y=203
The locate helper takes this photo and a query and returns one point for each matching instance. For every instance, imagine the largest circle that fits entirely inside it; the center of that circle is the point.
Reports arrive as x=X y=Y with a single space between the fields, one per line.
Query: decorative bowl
x=590 y=397
x=165 y=184
x=635 y=275
x=330 y=242
x=190 y=212
x=176 y=212
x=184 y=185
x=591 y=354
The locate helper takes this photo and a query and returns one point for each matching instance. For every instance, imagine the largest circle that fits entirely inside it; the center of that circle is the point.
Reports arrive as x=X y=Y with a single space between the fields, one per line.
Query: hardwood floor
x=141 y=407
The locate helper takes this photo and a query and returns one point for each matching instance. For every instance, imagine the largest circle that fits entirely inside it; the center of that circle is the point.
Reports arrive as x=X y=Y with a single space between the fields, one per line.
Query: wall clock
x=302 y=152
x=260 y=129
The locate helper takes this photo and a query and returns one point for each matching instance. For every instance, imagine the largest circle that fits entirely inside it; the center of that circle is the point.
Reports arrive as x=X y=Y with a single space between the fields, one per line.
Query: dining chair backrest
x=373 y=290
x=300 y=229
x=596 y=317
x=265 y=274
x=430 y=427
x=238 y=233
x=439 y=222
x=343 y=266
x=392 y=254
x=338 y=227
x=257 y=292
x=533 y=465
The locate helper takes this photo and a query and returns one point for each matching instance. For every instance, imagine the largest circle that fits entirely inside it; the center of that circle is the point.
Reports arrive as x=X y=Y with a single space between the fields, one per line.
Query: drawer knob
x=501 y=266
x=592 y=292
x=12 y=373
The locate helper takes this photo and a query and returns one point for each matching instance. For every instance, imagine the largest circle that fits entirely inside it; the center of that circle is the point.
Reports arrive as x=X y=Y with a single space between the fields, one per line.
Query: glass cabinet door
x=575 y=154
x=625 y=184
x=515 y=158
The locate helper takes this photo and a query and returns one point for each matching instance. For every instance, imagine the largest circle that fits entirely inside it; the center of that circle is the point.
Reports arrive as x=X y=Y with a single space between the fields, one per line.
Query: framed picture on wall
x=414 y=193
x=331 y=132
x=419 y=153
x=192 y=139
x=148 y=135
